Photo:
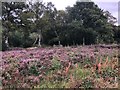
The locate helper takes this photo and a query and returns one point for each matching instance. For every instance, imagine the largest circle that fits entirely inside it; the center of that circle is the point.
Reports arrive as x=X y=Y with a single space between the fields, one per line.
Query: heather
x=43 y=47
x=60 y=67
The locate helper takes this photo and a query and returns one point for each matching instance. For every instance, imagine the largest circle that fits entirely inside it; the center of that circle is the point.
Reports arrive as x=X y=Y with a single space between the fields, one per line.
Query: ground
x=92 y=66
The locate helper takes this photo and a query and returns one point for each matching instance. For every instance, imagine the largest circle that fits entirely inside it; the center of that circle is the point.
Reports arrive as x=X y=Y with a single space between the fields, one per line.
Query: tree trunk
x=35 y=41
x=59 y=43
x=6 y=42
x=39 y=41
x=83 y=41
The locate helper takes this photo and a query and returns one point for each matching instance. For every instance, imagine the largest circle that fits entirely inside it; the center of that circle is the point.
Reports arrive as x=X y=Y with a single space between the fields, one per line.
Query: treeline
x=35 y=24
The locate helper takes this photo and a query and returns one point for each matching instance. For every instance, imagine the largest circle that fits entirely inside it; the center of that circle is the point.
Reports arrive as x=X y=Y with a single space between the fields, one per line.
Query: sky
x=109 y=5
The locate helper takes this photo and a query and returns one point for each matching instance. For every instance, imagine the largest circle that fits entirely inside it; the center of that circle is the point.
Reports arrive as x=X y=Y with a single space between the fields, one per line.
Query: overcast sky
x=110 y=5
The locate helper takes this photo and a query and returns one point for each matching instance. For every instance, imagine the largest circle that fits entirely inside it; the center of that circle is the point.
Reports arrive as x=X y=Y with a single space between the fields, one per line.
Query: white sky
x=109 y=5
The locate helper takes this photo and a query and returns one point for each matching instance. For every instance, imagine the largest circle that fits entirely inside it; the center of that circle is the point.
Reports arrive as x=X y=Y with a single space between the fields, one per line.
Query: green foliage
x=117 y=33
x=49 y=84
x=87 y=84
x=33 y=70
x=16 y=39
x=55 y=64
x=80 y=73
x=39 y=23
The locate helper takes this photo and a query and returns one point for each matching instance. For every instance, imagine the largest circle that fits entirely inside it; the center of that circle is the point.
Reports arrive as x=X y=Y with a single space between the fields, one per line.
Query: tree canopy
x=35 y=24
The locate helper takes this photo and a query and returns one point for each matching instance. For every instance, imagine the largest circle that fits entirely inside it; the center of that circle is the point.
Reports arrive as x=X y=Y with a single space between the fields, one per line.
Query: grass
x=80 y=77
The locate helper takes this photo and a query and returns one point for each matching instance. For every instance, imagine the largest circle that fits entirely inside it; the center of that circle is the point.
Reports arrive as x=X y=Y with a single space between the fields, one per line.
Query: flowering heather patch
x=60 y=67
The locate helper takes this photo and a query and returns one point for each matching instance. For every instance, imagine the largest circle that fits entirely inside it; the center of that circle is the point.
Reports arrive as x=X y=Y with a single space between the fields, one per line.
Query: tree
x=91 y=16
x=37 y=23
x=38 y=9
x=10 y=13
x=117 y=33
x=52 y=13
